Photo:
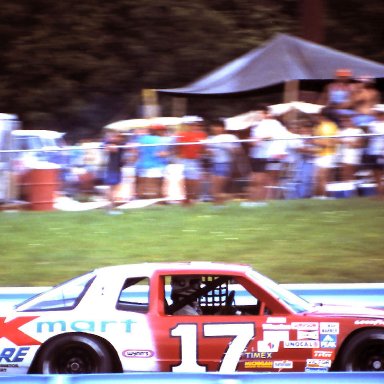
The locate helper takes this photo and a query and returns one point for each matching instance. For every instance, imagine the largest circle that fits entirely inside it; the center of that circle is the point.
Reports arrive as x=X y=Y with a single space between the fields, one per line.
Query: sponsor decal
x=308 y=335
x=9 y=365
x=328 y=341
x=12 y=355
x=307 y=369
x=283 y=364
x=11 y=330
x=276 y=326
x=323 y=354
x=138 y=353
x=257 y=355
x=84 y=326
x=302 y=326
x=258 y=364
x=301 y=344
x=369 y=322
x=330 y=328
x=276 y=320
x=275 y=336
x=267 y=346
x=318 y=363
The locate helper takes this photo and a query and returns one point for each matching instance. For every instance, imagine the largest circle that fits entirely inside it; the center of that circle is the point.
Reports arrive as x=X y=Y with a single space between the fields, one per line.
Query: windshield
x=52 y=142
x=27 y=142
x=296 y=303
x=62 y=297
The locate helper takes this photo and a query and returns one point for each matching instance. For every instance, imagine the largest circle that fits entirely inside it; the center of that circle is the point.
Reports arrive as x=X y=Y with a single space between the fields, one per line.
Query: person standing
x=303 y=152
x=114 y=147
x=375 y=148
x=267 y=150
x=350 y=149
x=324 y=132
x=365 y=96
x=337 y=95
x=151 y=155
x=190 y=155
x=222 y=148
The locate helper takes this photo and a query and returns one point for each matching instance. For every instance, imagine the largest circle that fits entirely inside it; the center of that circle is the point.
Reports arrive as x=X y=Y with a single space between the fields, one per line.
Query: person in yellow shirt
x=325 y=139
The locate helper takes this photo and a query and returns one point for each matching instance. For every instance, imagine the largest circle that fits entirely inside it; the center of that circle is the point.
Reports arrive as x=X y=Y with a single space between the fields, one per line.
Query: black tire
x=74 y=354
x=364 y=352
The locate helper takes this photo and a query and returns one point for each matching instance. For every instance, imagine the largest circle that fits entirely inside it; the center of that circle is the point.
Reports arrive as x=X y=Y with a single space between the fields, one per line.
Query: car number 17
x=242 y=334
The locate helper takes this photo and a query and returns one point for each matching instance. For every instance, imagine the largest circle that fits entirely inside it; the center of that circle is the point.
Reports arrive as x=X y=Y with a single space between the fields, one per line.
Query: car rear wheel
x=74 y=354
x=364 y=352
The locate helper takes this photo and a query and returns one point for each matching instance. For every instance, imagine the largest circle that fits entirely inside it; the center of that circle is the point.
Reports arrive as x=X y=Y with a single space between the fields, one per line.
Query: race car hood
x=349 y=311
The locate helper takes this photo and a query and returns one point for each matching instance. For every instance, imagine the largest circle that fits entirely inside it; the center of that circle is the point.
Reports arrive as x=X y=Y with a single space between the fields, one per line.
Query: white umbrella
x=127 y=125
x=243 y=121
x=309 y=108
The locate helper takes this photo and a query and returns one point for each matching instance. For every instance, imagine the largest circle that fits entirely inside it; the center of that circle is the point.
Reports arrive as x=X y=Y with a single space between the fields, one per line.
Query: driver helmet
x=183 y=286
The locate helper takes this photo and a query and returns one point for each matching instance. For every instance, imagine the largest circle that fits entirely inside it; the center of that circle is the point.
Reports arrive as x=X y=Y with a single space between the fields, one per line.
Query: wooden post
x=150 y=104
x=291 y=91
x=179 y=106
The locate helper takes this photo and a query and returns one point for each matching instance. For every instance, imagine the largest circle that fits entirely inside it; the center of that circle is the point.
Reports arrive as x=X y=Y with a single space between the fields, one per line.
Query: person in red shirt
x=190 y=155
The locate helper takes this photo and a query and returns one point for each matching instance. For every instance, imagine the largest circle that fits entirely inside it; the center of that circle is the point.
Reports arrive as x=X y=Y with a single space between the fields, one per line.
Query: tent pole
x=291 y=93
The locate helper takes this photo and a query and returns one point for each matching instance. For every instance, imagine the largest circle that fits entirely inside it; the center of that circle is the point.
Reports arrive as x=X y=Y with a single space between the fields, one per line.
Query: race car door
x=216 y=338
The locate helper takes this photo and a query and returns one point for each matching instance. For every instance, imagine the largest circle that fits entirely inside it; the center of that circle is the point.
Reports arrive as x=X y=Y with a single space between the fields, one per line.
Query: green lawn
x=298 y=241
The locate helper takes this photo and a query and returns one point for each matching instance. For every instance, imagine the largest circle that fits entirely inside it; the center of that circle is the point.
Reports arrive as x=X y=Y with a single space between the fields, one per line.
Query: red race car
x=185 y=317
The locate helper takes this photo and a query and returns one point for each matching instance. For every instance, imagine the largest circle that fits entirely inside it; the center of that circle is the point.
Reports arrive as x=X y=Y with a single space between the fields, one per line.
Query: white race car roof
x=188 y=267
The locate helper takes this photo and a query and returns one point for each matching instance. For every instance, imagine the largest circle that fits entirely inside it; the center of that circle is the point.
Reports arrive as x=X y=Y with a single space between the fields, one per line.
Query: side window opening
x=214 y=295
x=134 y=295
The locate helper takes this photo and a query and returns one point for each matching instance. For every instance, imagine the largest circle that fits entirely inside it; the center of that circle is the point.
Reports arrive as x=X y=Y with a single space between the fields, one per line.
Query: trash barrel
x=40 y=186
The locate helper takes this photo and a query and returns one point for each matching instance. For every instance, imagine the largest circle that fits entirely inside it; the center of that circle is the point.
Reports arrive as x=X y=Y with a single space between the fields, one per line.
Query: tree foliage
x=356 y=27
x=76 y=66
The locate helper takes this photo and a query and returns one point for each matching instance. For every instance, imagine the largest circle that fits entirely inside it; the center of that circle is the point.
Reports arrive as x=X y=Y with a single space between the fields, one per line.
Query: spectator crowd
x=274 y=158
x=300 y=158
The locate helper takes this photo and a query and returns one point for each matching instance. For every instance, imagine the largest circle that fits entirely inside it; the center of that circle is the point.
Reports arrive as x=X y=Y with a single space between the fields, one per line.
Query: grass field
x=297 y=241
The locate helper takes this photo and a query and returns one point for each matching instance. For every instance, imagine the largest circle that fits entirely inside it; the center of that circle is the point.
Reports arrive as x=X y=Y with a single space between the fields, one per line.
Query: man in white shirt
x=268 y=148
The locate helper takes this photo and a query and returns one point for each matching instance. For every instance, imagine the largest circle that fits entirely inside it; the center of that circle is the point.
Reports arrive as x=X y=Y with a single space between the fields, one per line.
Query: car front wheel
x=364 y=352
x=74 y=354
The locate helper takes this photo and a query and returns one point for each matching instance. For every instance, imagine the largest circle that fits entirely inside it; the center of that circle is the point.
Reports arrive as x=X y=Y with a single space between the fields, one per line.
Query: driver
x=181 y=288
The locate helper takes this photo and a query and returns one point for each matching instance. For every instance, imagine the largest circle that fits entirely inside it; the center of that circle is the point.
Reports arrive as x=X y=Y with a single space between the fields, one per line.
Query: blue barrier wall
x=202 y=378
x=365 y=294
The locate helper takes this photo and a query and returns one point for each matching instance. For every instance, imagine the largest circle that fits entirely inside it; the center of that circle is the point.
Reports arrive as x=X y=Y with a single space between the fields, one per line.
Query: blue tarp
x=283 y=59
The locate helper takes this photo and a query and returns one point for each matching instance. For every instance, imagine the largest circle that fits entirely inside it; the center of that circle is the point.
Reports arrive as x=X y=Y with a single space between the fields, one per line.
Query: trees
x=355 y=26
x=72 y=65
x=78 y=65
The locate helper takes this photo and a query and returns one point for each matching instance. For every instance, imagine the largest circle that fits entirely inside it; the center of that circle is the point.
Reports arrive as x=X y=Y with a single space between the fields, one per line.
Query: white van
x=21 y=150
x=8 y=123
x=35 y=146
